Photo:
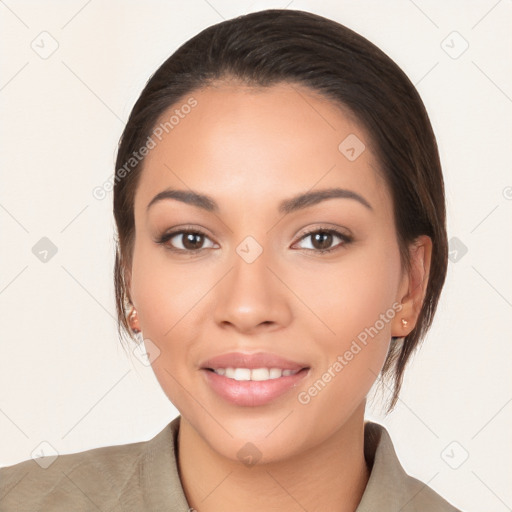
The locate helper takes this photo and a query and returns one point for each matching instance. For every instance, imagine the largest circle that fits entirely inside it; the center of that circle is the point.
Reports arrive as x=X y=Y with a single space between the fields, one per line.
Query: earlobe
x=412 y=292
x=133 y=320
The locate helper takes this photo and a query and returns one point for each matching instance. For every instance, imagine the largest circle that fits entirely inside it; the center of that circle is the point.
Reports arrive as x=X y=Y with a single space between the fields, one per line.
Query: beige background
x=65 y=380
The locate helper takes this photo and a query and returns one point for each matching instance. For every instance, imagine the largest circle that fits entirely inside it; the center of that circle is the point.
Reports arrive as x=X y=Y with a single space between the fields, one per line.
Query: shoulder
x=98 y=479
x=390 y=488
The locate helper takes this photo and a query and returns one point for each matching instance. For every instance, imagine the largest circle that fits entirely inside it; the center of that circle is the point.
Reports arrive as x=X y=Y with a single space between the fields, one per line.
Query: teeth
x=257 y=374
x=260 y=374
x=242 y=374
x=275 y=373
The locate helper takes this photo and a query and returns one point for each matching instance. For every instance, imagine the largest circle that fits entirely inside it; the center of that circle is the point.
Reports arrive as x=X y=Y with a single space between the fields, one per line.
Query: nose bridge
x=250 y=293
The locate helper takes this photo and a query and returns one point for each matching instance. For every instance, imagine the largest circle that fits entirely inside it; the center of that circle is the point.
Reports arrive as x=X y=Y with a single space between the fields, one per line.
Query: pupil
x=189 y=240
x=325 y=243
x=321 y=240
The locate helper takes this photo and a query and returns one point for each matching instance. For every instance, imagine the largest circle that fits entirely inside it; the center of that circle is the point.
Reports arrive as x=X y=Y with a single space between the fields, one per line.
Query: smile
x=254 y=387
x=256 y=374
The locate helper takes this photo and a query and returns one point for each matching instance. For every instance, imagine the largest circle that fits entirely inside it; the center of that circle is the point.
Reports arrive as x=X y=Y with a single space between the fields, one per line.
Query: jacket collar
x=389 y=488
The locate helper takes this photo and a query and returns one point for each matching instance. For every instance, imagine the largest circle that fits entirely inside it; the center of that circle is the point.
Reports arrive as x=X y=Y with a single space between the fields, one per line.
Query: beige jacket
x=143 y=476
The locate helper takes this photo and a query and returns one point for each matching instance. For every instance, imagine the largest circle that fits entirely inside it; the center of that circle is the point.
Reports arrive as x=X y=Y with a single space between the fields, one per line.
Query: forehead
x=256 y=144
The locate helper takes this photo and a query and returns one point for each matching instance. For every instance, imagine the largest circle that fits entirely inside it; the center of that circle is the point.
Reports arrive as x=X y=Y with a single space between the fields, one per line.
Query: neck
x=330 y=476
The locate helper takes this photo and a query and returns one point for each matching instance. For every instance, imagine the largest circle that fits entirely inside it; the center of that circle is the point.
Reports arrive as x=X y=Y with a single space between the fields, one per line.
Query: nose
x=251 y=297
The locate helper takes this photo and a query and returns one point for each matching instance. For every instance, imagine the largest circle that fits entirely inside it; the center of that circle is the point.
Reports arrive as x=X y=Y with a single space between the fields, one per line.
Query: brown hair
x=275 y=46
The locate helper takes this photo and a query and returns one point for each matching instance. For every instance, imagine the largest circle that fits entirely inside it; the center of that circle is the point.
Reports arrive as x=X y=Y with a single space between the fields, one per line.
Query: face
x=251 y=280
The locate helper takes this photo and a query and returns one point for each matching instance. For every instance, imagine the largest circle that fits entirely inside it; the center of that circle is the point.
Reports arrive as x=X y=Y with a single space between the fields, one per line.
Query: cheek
x=355 y=299
x=167 y=293
x=351 y=294
x=173 y=301
x=356 y=303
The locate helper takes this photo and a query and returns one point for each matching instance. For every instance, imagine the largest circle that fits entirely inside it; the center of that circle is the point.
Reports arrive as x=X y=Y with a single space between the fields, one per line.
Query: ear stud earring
x=138 y=332
x=131 y=319
x=404 y=322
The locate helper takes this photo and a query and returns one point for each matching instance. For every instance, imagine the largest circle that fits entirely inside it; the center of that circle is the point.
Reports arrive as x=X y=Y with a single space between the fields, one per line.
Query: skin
x=250 y=149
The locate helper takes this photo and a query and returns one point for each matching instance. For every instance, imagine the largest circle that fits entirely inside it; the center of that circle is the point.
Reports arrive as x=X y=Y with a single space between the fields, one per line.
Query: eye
x=322 y=239
x=185 y=241
x=192 y=241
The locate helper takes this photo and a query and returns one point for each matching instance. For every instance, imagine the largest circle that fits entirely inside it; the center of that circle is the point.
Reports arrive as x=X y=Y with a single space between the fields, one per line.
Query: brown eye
x=322 y=240
x=192 y=241
x=185 y=241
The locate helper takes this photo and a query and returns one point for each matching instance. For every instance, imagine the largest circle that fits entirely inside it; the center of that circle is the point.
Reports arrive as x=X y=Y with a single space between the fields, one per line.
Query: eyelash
x=346 y=239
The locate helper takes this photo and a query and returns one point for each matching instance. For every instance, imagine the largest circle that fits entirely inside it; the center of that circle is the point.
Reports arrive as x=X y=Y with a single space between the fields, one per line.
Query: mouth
x=254 y=374
x=251 y=380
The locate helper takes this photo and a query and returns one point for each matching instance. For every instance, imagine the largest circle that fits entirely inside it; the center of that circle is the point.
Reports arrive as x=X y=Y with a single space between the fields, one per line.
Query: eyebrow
x=293 y=204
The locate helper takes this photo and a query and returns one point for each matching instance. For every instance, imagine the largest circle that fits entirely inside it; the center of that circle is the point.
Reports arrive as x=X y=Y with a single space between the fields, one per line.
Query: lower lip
x=250 y=393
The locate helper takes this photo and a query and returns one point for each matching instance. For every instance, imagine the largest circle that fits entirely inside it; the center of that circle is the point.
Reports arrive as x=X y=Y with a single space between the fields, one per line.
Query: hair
x=277 y=46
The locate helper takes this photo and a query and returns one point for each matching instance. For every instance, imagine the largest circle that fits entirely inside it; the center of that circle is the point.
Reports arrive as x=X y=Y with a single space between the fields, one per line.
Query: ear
x=127 y=278
x=133 y=319
x=413 y=287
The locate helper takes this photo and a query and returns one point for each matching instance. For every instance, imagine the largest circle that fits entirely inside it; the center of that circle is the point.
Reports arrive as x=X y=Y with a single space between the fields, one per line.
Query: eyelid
x=167 y=235
x=335 y=230
x=186 y=228
x=326 y=227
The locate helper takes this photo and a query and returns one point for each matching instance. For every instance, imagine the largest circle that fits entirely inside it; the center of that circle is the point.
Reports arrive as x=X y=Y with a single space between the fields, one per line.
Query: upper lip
x=251 y=361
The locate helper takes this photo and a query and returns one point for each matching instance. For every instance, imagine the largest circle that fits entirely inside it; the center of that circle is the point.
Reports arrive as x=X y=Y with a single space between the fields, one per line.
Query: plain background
x=64 y=378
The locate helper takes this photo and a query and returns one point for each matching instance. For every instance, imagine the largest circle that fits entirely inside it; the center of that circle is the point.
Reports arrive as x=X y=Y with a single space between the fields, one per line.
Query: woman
x=280 y=211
